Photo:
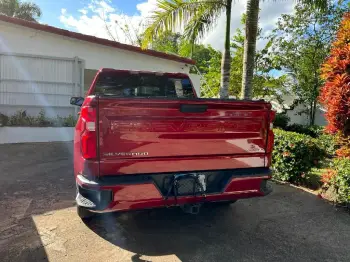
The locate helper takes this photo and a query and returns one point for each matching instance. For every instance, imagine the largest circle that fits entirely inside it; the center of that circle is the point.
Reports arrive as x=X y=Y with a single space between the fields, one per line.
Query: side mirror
x=76 y=101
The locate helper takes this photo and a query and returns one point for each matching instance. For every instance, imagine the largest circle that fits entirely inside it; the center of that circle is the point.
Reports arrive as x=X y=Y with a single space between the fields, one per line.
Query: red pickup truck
x=144 y=140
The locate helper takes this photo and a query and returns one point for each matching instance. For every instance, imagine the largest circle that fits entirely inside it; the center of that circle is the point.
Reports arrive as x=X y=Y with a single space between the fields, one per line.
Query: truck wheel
x=84 y=213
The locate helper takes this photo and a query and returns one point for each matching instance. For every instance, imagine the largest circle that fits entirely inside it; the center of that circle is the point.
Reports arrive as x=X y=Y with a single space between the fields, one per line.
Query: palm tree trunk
x=251 y=30
x=226 y=55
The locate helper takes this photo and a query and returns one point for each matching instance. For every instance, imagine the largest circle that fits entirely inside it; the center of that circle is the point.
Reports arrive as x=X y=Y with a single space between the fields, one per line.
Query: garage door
x=33 y=83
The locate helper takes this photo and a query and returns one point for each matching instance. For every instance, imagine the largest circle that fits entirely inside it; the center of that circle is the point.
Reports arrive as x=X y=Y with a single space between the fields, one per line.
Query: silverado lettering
x=126 y=154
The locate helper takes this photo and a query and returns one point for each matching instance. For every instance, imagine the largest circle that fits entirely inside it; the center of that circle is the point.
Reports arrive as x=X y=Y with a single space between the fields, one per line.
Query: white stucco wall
x=303 y=119
x=40 y=45
x=9 y=135
x=196 y=82
x=18 y=39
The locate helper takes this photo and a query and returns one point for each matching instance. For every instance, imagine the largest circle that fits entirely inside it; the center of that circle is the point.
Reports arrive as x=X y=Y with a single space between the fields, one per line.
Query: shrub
x=339 y=178
x=328 y=176
x=294 y=155
x=335 y=94
x=68 y=121
x=20 y=118
x=42 y=120
x=3 y=120
x=281 y=120
x=297 y=128
x=328 y=143
x=313 y=131
x=344 y=145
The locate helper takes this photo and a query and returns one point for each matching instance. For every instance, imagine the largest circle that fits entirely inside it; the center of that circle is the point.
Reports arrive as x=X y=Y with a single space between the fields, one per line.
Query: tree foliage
x=208 y=61
x=207 y=58
x=264 y=82
x=175 y=43
x=194 y=18
x=24 y=10
x=301 y=42
x=335 y=94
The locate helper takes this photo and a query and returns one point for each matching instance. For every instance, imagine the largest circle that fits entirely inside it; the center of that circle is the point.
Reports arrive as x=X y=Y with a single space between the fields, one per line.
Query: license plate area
x=186 y=185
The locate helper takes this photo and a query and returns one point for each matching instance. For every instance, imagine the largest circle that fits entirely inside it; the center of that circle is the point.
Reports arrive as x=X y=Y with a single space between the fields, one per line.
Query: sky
x=107 y=18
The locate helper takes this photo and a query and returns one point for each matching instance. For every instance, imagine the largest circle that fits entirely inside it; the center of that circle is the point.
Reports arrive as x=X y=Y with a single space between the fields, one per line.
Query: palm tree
x=23 y=10
x=197 y=17
x=250 y=41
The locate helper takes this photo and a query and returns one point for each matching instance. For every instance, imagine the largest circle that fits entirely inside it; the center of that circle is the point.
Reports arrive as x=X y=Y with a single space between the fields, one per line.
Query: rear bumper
x=119 y=193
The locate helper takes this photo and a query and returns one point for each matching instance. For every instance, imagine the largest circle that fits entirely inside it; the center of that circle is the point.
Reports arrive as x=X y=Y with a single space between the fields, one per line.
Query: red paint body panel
x=153 y=135
x=156 y=130
x=179 y=164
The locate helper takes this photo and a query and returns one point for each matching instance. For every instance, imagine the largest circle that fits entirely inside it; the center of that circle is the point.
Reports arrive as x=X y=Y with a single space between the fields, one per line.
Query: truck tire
x=84 y=213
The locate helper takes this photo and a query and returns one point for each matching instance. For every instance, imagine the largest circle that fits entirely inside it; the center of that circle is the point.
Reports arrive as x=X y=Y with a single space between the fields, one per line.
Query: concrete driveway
x=38 y=221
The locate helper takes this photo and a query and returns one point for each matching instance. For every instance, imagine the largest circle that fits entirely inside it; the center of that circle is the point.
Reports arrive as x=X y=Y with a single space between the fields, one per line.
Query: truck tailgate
x=141 y=135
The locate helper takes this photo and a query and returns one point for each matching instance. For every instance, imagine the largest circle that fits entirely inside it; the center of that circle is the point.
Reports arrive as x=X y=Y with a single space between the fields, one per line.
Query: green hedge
x=281 y=120
x=325 y=141
x=294 y=155
x=341 y=180
x=20 y=118
x=313 y=131
x=328 y=143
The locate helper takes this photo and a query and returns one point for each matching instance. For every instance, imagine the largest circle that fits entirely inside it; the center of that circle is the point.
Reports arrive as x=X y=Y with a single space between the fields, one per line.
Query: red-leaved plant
x=335 y=94
x=328 y=176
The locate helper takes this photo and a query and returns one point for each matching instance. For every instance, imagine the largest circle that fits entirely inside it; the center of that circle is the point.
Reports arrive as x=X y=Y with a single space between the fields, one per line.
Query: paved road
x=38 y=221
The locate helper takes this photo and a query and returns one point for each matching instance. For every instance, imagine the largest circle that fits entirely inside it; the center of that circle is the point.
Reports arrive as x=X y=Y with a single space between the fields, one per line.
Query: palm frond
x=174 y=15
x=203 y=21
x=319 y=4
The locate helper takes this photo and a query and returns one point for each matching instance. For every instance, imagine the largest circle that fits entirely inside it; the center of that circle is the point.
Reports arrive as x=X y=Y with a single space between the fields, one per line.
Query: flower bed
x=20 y=118
x=23 y=128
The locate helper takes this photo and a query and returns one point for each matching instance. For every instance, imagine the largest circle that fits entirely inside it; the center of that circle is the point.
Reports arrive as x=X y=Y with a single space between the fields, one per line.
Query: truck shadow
x=165 y=231
x=36 y=221
x=283 y=226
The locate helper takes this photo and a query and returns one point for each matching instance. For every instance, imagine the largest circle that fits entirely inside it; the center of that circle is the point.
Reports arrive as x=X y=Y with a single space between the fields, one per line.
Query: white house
x=294 y=113
x=43 y=66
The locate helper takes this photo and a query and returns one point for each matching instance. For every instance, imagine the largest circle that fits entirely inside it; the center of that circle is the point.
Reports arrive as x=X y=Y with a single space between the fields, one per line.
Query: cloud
x=83 y=11
x=103 y=19
x=146 y=8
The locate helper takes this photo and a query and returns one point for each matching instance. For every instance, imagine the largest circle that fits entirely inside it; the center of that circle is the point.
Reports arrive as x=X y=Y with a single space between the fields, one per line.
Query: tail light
x=270 y=138
x=270 y=141
x=88 y=133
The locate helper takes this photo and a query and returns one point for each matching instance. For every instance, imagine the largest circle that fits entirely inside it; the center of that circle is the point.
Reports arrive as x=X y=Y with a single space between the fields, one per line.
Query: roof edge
x=93 y=39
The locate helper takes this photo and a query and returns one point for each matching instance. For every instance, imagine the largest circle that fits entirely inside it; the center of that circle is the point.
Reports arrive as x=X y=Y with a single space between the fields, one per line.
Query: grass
x=314 y=180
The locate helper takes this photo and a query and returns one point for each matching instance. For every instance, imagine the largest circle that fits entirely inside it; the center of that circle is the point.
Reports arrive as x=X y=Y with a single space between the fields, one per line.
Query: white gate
x=32 y=83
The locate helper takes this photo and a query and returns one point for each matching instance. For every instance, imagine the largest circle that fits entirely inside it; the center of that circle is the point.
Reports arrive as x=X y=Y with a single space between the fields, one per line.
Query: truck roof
x=172 y=74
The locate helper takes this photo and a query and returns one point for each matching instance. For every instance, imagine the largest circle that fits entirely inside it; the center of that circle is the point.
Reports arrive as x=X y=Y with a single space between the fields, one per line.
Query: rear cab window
x=137 y=84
